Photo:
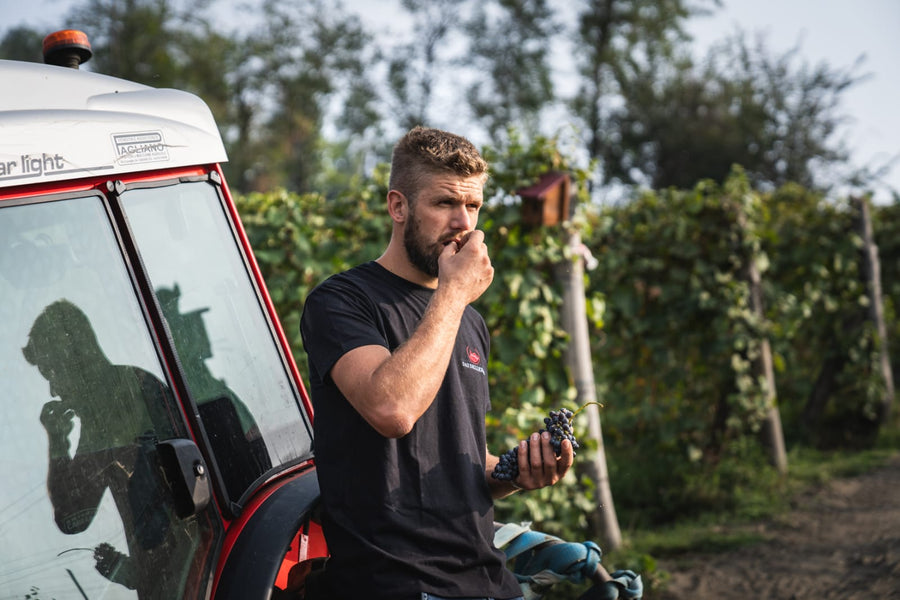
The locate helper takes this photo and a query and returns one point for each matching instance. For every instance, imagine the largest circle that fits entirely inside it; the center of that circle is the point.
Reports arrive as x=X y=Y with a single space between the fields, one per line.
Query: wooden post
x=578 y=357
x=547 y=203
x=872 y=273
x=771 y=433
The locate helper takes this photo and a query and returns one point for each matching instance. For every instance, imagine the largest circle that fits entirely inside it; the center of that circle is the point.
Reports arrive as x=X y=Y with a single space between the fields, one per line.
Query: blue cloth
x=542 y=560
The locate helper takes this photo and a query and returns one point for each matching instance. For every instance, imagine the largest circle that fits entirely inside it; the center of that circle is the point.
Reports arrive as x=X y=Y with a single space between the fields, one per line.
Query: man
x=398 y=378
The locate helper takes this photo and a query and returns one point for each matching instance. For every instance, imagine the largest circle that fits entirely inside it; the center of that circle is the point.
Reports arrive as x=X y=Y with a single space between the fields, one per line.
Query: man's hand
x=115 y=566
x=465 y=267
x=57 y=419
x=59 y=422
x=538 y=464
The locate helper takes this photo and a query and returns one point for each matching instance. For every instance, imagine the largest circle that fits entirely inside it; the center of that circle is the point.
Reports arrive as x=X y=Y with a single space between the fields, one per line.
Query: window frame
x=116 y=189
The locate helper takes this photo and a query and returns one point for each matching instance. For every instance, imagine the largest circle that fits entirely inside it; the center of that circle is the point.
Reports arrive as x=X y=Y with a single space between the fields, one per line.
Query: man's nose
x=462 y=219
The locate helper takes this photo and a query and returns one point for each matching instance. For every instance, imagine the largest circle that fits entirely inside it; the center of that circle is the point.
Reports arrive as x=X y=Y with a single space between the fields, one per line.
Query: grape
x=508 y=467
x=558 y=424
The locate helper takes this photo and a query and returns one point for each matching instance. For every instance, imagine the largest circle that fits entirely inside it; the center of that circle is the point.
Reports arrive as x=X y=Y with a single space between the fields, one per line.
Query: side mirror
x=187 y=474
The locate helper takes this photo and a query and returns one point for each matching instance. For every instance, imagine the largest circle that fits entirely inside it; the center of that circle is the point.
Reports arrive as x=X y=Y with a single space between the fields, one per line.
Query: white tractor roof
x=59 y=123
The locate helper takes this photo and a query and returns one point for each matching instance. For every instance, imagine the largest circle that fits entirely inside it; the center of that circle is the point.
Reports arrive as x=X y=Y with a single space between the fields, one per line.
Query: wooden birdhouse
x=547 y=201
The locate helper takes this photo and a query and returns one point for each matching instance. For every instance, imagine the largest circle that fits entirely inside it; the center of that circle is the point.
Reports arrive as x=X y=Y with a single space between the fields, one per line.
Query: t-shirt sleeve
x=337 y=318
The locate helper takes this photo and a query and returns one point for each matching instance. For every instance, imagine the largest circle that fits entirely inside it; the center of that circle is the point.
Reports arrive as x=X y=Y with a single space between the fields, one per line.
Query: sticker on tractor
x=140 y=147
x=31 y=165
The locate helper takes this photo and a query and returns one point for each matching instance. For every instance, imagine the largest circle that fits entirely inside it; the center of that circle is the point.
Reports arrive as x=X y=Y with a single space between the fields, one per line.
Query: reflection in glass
x=93 y=519
x=232 y=364
x=121 y=410
x=231 y=429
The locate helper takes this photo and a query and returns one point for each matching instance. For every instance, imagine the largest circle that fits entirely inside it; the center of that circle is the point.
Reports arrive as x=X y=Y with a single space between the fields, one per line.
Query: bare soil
x=839 y=542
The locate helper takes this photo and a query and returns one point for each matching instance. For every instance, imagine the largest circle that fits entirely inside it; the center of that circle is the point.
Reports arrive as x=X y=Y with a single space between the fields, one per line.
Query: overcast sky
x=835 y=31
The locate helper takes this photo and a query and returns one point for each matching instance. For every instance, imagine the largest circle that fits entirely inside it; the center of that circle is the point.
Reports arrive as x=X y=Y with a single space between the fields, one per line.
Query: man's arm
x=538 y=466
x=392 y=390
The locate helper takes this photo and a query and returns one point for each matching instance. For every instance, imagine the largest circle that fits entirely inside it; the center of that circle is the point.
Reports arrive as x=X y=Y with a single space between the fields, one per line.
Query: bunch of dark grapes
x=508 y=467
x=559 y=425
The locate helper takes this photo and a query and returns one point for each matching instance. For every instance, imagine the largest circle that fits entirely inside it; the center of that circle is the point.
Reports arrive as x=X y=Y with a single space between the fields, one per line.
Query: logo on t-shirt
x=473 y=360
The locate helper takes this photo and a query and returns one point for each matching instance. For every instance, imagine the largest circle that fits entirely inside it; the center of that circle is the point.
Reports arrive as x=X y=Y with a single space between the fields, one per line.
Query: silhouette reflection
x=122 y=411
x=233 y=432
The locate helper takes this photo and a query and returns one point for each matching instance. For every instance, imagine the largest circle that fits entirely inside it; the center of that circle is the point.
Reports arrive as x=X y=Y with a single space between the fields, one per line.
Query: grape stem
x=584 y=406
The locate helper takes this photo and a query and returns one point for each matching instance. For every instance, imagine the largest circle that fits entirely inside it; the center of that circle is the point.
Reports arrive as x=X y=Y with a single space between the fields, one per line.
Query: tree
x=618 y=40
x=22 y=43
x=305 y=58
x=510 y=47
x=414 y=67
x=681 y=123
x=243 y=145
x=139 y=40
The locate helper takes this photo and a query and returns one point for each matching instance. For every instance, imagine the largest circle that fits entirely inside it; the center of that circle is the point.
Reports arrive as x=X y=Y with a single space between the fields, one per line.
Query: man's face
x=62 y=381
x=445 y=210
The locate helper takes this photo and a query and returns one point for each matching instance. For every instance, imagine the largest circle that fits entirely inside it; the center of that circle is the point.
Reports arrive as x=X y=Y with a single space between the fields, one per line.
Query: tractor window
x=234 y=370
x=85 y=509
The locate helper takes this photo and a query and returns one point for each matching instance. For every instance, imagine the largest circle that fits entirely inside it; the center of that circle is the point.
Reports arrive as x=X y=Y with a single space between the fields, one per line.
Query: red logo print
x=474 y=357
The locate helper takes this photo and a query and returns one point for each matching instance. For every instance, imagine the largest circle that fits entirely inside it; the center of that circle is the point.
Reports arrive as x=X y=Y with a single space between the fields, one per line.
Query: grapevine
x=558 y=424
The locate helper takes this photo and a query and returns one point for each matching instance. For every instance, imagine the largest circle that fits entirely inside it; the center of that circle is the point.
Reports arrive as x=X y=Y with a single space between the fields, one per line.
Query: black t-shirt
x=409 y=515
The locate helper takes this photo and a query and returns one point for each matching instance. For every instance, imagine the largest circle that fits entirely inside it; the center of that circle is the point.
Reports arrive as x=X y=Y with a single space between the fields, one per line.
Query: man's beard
x=422 y=255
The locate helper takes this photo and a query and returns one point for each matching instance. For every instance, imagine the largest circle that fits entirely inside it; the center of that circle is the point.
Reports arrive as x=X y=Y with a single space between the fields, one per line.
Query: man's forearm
x=402 y=385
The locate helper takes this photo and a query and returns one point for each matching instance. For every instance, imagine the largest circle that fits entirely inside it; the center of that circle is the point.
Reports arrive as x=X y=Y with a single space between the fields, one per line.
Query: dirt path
x=840 y=542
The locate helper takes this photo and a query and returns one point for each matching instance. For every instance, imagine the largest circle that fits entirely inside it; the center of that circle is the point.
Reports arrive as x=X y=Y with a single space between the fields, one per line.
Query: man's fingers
x=548 y=457
x=538 y=464
x=523 y=457
x=450 y=249
x=535 y=457
x=566 y=458
x=476 y=236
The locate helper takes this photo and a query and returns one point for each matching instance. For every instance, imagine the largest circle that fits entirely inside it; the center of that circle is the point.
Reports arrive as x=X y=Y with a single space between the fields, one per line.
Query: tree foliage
x=681 y=123
x=414 y=66
x=679 y=336
x=618 y=41
x=511 y=44
x=825 y=342
x=676 y=351
x=303 y=57
x=21 y=43
x=301 y=239
x=155 y=42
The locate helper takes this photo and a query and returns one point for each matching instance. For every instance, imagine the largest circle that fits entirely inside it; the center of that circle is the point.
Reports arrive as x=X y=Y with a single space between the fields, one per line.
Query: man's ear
x=398 y=206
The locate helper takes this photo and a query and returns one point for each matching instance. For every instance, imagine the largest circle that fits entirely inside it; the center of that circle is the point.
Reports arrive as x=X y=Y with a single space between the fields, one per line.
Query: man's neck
x=397 y=262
